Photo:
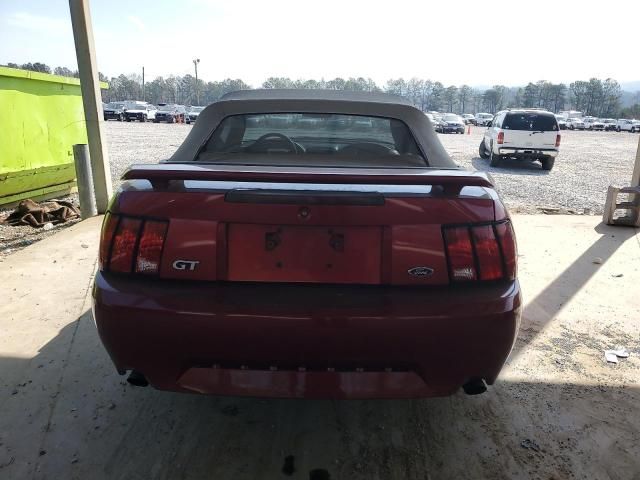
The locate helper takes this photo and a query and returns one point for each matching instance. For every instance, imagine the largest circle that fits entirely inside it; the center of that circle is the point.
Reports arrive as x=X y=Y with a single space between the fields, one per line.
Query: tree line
x=600 y=98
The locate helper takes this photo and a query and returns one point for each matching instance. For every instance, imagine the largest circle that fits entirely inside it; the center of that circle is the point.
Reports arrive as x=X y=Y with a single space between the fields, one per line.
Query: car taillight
x=500 y=138
x=509 y=248
x=462 y=265
x=124 y=244
x=109 y=225
x=557 y=140
x=130 y=245
x=481 y=252
x=150 y=247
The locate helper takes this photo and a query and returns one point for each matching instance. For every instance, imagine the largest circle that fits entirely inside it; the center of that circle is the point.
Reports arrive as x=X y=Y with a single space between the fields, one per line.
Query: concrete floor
x=558 y=410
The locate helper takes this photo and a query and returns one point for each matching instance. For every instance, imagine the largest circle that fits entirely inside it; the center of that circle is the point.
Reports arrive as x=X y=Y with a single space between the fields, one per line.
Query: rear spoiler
x=452 y=180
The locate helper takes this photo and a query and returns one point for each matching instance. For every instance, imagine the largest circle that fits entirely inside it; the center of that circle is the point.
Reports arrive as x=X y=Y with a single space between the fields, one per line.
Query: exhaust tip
x=475 y=386
x=137 y=379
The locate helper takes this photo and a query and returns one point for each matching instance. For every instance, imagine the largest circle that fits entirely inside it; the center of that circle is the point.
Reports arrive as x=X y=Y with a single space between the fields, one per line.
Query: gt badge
x=185 y=264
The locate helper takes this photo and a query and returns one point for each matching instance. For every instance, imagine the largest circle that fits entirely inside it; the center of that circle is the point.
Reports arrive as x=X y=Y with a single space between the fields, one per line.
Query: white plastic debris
x=48 y=226
x=621 y=352
x=612 y=356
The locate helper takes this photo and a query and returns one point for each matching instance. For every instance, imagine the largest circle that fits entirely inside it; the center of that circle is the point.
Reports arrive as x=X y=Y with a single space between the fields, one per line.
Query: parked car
x=452 y=123
x=626 y=125
x=141 y=111
x=522 y=134
x=170 y=113
x=435 y=121
x=469 y=119
x=610 y=124
x=483 y=119
x=275 y=261
x=575 y=123
x=114 y=111
x=594 y=124
x=193 y=113
x=432 y=119
x=562 y=122
x=636 y=124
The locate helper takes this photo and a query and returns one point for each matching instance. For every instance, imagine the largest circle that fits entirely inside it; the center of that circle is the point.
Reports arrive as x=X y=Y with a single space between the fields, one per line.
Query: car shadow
x=520 y=167
x=550 y=301
x=70 y=416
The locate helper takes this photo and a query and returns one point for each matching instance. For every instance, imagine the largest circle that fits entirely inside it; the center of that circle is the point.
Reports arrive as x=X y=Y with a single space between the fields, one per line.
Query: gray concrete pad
x=558 y=410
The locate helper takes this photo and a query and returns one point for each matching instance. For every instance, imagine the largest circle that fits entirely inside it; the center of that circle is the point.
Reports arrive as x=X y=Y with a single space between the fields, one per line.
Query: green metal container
x=41 y=118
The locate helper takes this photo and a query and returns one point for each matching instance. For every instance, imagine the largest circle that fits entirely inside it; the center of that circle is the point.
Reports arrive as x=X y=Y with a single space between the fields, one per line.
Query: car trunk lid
x=303 y=225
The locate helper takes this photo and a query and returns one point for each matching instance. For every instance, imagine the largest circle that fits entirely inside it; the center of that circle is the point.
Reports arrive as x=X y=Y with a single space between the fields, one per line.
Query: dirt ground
x=558 y=410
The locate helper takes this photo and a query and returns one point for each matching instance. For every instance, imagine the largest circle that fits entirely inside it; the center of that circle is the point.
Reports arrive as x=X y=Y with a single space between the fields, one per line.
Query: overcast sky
x=476 y=42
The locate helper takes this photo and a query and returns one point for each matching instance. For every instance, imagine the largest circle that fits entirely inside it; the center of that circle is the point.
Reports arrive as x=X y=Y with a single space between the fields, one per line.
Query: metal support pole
x=635 y=182
x=635 y=176
x=195 y=64
x=91 y=99
x=143 y=98
x=85 y=184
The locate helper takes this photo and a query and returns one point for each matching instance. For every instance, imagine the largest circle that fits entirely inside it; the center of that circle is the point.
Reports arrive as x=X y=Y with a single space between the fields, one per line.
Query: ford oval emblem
x=420 y=271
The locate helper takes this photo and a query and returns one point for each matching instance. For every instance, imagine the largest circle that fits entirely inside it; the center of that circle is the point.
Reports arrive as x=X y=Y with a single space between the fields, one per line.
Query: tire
x=618 y=129
x=571 y=127
x=547 y=163
x=128 y=119
x=494 y=160
x=144 y=119
x=482 y=150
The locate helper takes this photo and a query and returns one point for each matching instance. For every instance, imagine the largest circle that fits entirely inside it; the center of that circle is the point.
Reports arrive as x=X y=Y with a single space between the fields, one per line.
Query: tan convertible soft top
x=315 y=101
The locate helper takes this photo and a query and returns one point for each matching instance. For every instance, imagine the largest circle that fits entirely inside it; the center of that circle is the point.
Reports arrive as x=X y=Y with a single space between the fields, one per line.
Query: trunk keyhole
x=271 y=240
x=336 y=241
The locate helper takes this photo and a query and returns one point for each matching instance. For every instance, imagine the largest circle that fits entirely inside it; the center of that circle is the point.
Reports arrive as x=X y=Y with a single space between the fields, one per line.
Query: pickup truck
x=319 y=261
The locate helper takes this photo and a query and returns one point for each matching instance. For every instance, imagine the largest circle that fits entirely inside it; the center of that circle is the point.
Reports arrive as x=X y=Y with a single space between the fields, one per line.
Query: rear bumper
x=308 y=341
x=528 y=152
x=135 y=116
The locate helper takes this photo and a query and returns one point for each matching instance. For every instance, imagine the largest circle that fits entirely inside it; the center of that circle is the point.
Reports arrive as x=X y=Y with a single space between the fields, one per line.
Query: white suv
x=627 y=126
x=522 y=134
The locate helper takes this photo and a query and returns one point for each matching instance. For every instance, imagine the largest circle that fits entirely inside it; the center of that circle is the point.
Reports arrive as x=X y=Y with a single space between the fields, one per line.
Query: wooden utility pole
x=92 y=100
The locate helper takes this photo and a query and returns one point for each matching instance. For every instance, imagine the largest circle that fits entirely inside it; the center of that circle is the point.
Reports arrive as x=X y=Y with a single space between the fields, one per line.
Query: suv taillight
x=131 y=245
x=481 y=252
x=500 y=138
x=558 y=140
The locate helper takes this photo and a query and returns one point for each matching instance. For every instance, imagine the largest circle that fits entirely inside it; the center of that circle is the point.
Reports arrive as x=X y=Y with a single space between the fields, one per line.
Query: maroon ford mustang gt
x=308 y=244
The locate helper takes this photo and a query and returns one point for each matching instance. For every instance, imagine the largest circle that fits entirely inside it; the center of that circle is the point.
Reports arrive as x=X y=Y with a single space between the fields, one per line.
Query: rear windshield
x=530 y=121
x=312 y=139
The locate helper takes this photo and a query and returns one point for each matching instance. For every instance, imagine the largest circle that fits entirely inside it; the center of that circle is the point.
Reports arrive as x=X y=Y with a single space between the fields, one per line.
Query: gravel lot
x=588 y=163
